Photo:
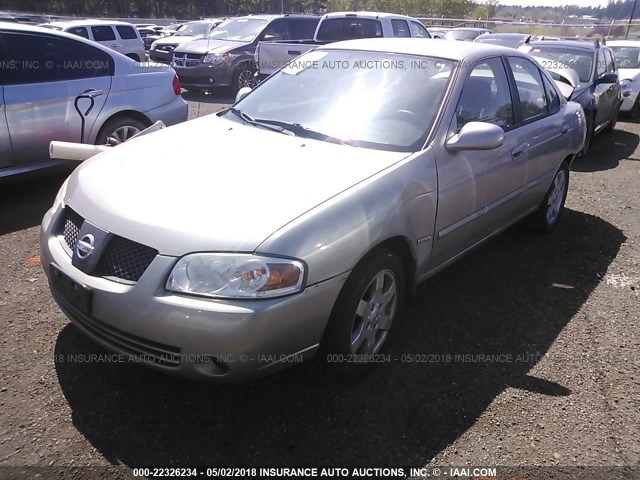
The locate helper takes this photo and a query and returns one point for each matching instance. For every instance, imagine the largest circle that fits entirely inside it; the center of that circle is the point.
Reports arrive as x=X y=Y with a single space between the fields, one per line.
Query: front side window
x=611 y=64
x=43 y=58
x=419 y=31
x=80 y=31
x=533 y=98
x=486 y=96
x=277 y=30
x=408 y=91
x=103 y=33
x=601 y=67
x=400 y=28
x=553 y=99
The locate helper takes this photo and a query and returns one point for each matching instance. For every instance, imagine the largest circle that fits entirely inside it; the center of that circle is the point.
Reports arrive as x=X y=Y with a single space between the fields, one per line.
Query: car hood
x=205 y=45
x=628 y=73
x=176 y=39
x=214 y=185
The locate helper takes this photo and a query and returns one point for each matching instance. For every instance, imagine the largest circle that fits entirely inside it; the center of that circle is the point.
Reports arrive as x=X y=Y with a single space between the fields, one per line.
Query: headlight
x=226 y=275
x=214 y=58
x=625 y=87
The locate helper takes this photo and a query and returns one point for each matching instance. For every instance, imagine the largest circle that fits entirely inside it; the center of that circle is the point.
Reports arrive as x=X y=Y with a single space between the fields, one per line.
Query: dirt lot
x=535 y=345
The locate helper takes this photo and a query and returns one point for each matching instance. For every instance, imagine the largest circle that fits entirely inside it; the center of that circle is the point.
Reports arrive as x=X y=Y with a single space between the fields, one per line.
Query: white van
x=122 y=37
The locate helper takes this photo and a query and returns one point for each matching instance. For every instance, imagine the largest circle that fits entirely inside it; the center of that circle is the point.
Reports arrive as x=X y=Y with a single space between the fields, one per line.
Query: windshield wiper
x=259 y=123
x=301 y=131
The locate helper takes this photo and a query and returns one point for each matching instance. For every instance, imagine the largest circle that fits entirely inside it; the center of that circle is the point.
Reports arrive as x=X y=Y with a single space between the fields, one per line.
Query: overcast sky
x=555 y=3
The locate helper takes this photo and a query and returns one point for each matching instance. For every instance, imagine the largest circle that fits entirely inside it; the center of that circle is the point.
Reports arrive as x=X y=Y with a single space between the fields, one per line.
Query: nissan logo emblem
x=85 y=246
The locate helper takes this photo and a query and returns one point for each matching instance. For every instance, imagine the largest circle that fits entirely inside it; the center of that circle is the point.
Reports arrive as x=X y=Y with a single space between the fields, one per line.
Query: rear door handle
x=565 y=130
x=93 y=93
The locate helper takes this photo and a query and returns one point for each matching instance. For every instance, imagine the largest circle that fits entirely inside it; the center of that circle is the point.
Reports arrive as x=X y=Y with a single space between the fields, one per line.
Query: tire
x=244 y=76
x=363 y=314
x=120 y=129
x=612 y=123
x=546 y=217
x=589 y=138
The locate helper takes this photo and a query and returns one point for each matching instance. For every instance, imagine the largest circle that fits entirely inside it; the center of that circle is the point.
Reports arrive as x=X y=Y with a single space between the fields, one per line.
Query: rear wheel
x=119 y=130
x=546 y=217
x=363 y=314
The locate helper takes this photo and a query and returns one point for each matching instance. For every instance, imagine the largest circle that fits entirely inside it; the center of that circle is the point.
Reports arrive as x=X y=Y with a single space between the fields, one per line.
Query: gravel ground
x=531 y=358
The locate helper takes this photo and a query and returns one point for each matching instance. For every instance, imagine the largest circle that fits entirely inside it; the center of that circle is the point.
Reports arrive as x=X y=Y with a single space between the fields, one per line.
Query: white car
x=119 y=36
x=58 y=86
x=627 y=56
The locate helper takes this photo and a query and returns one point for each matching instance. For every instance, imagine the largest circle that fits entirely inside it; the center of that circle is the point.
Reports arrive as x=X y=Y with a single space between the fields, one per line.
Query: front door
x=478 y=191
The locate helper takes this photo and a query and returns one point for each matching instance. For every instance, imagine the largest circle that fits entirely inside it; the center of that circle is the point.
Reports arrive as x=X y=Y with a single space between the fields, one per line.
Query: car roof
x=506 y=35
x=428 y=47
x=564 y=43
x=363 y=14
x=88 y=22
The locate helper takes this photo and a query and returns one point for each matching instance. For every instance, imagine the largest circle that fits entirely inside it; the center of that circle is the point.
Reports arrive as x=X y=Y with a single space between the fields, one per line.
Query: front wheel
x=363 y=314
x=244 y=76
x=546 y=217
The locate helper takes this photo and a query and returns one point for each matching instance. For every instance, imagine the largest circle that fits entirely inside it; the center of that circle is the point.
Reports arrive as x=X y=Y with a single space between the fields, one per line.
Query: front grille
x=188 y=60
x=145 y=350
x=166 y=48
x=125 y=259
x=72 y=222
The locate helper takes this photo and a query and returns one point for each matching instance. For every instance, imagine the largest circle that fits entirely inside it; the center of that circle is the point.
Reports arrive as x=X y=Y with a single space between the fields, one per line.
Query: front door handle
x=517 y=151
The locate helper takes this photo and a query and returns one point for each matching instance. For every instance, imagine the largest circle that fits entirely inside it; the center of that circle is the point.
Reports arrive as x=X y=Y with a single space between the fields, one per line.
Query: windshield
x=373 y=100
x=557 y=58
x=52 y=27
x=239 y=29
x=627 y=57
x=194 y=29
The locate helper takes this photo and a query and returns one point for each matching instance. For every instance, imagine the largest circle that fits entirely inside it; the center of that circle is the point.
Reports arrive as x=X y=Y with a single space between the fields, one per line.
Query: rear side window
x=400 y=28
x=419 y=31
x=533 y=98
x=41 y=58
x=80 y=31
x=302 y=28
x=103 y=33
x=334 y=29
x=126 y=32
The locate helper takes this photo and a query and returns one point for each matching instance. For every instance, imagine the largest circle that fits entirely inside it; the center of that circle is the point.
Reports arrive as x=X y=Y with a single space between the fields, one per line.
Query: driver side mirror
x=268 y=38
x=476 y=136
x=610 y=77
x=242 y=92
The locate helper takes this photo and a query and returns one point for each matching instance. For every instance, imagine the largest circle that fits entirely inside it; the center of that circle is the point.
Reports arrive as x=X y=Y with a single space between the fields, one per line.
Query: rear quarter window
x=126 y=32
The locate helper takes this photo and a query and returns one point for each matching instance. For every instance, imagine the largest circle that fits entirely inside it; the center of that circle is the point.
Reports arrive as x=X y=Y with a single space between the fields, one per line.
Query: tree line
x=189 y=9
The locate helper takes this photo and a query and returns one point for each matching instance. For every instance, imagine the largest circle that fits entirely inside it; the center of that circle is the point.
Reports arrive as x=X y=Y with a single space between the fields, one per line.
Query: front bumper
x=161 y=56
x=204 y=76
x=191 y=336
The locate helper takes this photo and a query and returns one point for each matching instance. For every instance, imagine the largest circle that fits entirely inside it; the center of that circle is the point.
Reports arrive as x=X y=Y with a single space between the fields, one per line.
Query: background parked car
x=466 y=34
x=511 y=40
x=598 y=90
x=438 y=32
x=627 y=58
x=226 y=57
x=162 y=49
x=119 y=36
x=63 y=86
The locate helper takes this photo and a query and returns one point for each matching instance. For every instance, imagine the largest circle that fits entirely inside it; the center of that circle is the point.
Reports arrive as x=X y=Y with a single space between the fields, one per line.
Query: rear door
x=39 y=97
x=537 y=107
